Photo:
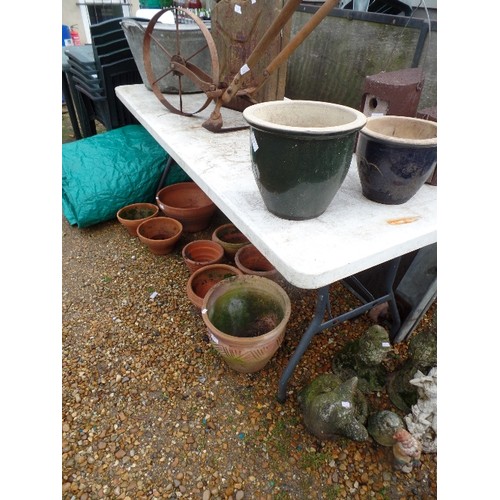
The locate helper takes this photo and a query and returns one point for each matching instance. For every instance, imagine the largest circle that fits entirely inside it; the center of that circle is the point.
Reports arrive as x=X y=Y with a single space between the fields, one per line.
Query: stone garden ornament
x=333 y=408
x=407 y=451
x=422 y=421
x=363 y=358
x=422 y=356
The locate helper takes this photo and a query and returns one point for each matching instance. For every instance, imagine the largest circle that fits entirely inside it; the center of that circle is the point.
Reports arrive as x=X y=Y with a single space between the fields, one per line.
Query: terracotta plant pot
x=160 y=234
x=301 y=152
x=395 y=157
x=250 y=261
x=246 y=317
x=202 y=280
x=230 y=238
x=201 y=253
x=132 y=215
x=187 y=203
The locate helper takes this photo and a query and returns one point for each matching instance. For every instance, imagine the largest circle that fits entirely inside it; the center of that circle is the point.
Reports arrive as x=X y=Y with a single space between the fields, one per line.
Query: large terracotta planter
x=249 y=260
x=132 y=215
x=203 y=279
x=201 y=253
x=301 y=152
x=230 y=238
x=187 y=203
x=395 y=157
x=246 y=317
x=160 y=234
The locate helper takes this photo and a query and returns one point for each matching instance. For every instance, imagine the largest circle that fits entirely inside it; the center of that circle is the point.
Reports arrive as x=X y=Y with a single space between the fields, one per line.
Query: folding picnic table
x=353 y=235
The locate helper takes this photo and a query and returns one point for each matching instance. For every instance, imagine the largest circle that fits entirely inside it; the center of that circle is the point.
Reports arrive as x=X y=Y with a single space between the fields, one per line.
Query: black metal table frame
x=318 y=324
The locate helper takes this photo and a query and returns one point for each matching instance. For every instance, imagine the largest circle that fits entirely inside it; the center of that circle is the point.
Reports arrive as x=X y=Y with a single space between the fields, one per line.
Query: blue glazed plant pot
x=395 y=156
x=301 y=152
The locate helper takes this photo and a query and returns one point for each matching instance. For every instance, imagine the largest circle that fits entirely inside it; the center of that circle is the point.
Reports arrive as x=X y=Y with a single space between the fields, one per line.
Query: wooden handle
x=270 y=34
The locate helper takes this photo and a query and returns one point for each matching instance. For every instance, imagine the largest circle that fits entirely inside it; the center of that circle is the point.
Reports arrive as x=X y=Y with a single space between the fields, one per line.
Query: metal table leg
x=318 y=324
x=166 y=170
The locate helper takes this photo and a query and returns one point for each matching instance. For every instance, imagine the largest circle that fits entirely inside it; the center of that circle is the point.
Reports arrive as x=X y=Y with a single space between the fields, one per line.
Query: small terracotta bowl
x=160 y=234
x=201 y=253
x=187 y=203
x=230 y=238
x=132 y=215
x=249 y=260
x=203 y=279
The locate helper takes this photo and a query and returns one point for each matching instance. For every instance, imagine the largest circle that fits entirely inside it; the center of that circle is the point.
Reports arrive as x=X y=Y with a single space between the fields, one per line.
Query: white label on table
x=237 y=9
x=253 y=140
x=244 y=69
x=386 y=344
x=346 y=404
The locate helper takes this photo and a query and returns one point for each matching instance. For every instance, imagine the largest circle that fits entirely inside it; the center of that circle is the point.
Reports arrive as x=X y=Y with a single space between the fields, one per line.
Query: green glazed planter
x=301 y=152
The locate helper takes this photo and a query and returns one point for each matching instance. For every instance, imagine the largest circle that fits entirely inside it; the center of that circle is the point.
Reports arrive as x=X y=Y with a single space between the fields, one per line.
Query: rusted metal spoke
x=163 y=76
x=160 y=46
x=201 y=49
x=177 y=32
x=180 y=94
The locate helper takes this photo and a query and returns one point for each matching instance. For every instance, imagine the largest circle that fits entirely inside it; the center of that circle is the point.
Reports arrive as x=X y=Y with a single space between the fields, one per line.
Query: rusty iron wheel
x=179 y=64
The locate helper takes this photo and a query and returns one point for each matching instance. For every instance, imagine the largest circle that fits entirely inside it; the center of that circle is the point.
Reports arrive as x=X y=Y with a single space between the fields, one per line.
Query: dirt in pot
x=246 y=313
x=232 y=235
x=136 y=213
x=160 y=236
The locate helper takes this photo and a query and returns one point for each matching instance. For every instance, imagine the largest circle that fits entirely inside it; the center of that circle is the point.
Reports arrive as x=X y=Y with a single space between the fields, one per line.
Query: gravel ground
x=150 y=411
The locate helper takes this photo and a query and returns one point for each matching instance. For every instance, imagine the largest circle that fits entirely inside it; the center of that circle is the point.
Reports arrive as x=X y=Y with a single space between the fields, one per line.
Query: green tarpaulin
x=105 y=172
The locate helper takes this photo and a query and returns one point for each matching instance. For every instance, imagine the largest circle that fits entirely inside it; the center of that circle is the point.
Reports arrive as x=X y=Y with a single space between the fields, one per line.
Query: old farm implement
x=239 y=88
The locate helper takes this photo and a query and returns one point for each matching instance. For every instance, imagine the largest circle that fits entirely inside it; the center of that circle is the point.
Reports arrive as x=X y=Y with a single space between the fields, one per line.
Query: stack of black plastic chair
x=113 y=64
x=81 y=75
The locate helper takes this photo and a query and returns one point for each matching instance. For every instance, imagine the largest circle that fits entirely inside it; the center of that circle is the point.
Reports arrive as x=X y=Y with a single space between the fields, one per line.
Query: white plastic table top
x=352 y=235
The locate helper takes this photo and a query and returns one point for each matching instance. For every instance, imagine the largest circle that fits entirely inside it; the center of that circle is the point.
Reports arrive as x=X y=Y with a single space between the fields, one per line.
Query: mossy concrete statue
x=333 y=408
x=382 y=426
x=422 y=356
x=363 y=358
